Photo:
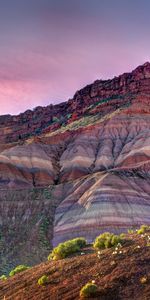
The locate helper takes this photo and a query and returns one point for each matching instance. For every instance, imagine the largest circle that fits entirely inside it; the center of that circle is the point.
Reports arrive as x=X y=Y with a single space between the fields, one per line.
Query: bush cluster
x=63 y=250
x=43 y=280
x=89 y=290
x=3 y=277
x=143 y=229
x=107 y=240
x=18 y=269
x=131 y=231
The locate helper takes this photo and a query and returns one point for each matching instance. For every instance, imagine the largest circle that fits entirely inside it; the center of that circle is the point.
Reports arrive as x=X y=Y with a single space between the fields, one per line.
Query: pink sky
x=49 y=50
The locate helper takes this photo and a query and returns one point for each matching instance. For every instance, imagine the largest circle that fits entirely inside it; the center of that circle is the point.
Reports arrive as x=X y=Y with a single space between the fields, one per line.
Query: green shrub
x=43 y=280
x=106 y=240
x=18 y=269
x=88 y=290
x=81 y=242
x=130 y=231
x=115 y=239
x=63 y=250
x=143 y=229
x=122 y=236
x=3 y=277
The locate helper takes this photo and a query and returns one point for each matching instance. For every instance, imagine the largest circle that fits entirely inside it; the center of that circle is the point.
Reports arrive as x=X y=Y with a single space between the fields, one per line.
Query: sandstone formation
x=94 y=150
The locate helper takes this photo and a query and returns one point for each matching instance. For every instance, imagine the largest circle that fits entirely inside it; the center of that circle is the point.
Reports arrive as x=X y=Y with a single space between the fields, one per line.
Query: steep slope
x=118 y=277
x=26 y=222
x=92 y=151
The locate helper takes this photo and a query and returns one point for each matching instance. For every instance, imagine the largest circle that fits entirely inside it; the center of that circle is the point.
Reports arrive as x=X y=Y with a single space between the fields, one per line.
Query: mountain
x=77 y=168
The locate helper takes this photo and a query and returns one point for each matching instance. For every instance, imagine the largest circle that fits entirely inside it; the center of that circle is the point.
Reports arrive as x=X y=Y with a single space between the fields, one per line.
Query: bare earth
x=118 y=277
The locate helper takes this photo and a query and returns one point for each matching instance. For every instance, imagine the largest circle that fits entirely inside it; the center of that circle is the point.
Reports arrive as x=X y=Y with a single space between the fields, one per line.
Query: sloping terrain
x=120 y=276
x=26 y=225
x=79 y=168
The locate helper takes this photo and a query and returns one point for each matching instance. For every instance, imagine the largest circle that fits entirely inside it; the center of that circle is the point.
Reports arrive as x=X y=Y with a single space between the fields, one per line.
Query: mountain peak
x=147 y=63
x=144 y=67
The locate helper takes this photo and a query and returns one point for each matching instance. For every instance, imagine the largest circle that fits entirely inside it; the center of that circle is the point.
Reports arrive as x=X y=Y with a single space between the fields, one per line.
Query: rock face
x=50 y=118
x=94 y=150
x=119 y=155
x=28 y=165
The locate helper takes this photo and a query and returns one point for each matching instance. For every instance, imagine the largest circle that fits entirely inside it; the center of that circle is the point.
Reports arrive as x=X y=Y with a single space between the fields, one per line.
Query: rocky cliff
x=93 y=151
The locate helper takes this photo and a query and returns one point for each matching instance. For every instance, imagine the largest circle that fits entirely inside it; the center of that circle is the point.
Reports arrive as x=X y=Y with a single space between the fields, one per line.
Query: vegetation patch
x=107 y=240
x=3 y=277
x=43 y=232
x=18 y=269
x=89 y=290
x=67 y=248
x=143 y=229
x=43 y=280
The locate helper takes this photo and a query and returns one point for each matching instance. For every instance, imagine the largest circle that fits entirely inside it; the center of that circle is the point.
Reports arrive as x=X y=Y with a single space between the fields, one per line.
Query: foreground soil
x=125 y=275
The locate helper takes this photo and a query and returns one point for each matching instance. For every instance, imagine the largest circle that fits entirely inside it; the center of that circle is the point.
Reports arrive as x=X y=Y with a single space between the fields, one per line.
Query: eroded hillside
x=77 y=168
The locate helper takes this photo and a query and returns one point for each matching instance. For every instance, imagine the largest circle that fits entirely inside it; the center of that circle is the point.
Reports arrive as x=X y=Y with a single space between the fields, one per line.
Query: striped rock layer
x=115 y=193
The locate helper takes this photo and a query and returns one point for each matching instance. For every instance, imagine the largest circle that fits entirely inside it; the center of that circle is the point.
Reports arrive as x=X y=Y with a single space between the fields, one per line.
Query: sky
x=50 y=49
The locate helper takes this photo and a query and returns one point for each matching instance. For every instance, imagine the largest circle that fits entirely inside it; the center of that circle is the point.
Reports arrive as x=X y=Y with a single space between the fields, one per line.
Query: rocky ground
x=121 y=276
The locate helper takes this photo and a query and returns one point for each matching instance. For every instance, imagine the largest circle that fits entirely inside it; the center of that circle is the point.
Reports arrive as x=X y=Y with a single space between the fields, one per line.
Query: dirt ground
x=118 y=276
